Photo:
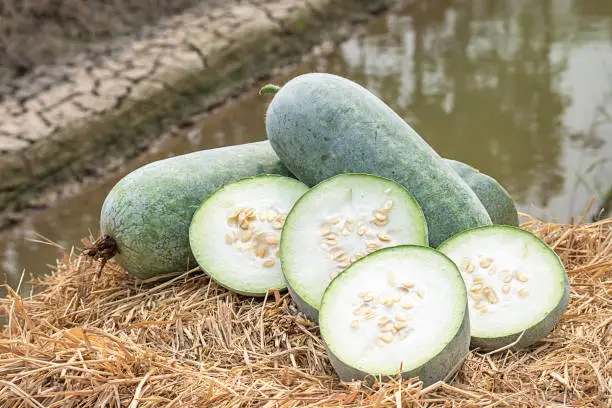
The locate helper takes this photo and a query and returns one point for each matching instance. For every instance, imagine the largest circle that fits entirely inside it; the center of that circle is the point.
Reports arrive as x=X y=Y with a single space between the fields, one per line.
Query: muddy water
x=521 y=90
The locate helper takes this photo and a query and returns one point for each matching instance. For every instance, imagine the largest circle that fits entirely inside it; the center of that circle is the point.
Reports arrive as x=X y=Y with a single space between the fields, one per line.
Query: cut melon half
x=400 y=310
x=517 y=285
x=235 y=233
x=339 y=221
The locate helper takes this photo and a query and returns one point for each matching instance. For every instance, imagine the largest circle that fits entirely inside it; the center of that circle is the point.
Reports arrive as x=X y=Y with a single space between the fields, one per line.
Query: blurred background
x=521 y=90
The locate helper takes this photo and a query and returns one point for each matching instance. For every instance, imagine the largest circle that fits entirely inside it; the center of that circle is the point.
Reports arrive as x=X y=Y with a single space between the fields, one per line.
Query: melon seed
x=387 y=338
x=335 y=220
x=476 y=288
x=507 y=276
x=235 y=213
x=355 y=324
x=407 y=285
x=521 y=277
x=381 y=223
x=388 y=205
x=229 y=239
x=491 y=296
x=383 y=236
x=269 y=262
x=261 y=250
x=506 y=288
x=485 y=263
x=401 y=317
x=406 y=304
x=468 y=266
x=523 y=293
x=325 y=230
x=246 y=235
x=272 y=239
x=379 y=216
x=400 y=325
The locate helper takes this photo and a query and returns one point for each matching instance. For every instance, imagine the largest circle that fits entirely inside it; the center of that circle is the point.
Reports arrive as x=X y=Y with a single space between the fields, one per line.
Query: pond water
x=520 y=89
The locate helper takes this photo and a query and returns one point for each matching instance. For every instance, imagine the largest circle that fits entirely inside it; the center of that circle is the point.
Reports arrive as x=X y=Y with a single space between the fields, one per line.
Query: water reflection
x=509 y=87
x=520 y=89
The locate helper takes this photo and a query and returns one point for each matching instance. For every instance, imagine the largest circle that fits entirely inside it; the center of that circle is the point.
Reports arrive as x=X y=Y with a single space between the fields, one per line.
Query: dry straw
x=89 y=341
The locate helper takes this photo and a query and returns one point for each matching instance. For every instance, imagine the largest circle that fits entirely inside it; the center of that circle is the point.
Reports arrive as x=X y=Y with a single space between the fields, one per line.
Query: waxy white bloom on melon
x=398 y=310
x=235 y=234
x=516 y=284
x=340 y=221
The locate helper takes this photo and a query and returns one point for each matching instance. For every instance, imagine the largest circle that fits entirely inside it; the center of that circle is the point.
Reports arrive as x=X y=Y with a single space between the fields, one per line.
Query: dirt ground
x=35 y=32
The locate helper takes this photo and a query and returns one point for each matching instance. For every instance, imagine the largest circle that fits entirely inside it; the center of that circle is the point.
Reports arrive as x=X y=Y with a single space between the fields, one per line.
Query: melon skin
x=492 y=195
x=321 y=125
x=148 y=212
x=440 y=368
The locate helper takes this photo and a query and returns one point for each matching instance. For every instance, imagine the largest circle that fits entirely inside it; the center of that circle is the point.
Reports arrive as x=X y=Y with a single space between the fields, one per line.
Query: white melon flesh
x=338 y=221
x=235 y=233
x=517 y=285
x=400 y=310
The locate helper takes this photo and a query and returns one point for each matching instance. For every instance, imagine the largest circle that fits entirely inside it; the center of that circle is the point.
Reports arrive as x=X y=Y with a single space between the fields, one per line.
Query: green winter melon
x=518 y=287
x=321 y=125
x=235 y=234
x=147 y=214
x=492 y=195
x=401 y=310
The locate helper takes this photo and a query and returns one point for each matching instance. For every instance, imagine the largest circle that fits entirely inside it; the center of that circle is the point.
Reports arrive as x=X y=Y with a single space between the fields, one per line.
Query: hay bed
x=87 y=341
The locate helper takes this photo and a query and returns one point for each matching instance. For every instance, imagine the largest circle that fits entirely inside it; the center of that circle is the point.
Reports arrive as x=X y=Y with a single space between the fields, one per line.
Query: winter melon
x=235 y=234
x=338 y=222
x=321 y=125
x=401 y=310
x=146 y=216
x=518 y=288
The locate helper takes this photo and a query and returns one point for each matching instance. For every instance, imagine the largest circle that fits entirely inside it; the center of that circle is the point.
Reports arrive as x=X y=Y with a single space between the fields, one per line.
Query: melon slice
x=235 y=233
x=339 y=221
x=400 y=310
x=517 y=285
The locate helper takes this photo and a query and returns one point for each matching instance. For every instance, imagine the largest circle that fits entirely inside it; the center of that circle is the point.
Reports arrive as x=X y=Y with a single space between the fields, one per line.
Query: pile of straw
x=87 y=340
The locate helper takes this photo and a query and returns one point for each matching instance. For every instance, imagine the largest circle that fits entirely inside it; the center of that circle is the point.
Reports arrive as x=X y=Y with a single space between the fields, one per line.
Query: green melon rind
x=195 y=241
x=440 y=368
x=321 y=125
x=492 y=195
x=310 y=311
x=149 y=211
x=539 y=330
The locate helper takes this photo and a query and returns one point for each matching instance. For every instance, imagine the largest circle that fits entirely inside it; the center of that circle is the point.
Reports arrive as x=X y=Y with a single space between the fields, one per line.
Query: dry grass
x=86 y=341
x=35 y=32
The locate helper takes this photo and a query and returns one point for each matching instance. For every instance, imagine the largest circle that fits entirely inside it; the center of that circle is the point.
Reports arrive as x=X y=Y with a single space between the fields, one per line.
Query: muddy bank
x=68 y=120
